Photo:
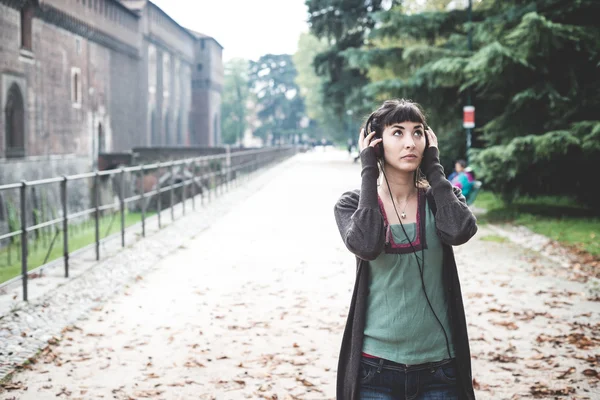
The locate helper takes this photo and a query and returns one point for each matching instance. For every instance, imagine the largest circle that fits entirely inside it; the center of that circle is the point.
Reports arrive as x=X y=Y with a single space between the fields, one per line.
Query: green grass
x=494 y=238
x=80 y=235
x=559 y=218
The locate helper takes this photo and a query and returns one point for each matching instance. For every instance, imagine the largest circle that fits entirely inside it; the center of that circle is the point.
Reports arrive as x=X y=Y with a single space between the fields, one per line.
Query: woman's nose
x=409 y=144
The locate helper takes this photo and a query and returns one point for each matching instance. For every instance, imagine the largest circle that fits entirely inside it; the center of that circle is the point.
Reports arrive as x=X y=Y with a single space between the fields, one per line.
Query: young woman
x=406 y=334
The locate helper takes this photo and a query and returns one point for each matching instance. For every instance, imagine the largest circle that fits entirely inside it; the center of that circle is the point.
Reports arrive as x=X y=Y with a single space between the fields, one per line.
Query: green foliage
x=322 y=123
x=532 y=74
x=555 y=163
x=557 y=217
x=281 y=107
x=81 y=235
x=236 y=95
x=345 y=24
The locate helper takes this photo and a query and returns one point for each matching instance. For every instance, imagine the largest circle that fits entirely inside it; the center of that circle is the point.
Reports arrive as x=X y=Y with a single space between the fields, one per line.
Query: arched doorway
x=14 y=117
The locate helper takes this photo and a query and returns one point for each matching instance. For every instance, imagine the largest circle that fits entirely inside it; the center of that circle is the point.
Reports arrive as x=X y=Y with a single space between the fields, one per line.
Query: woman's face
x=403 y=145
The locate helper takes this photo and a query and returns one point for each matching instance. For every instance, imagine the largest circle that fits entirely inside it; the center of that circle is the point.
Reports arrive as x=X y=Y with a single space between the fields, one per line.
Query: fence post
x=63 y=197
x=158 y=194
x=202 y=180
x=210 y=180
x=172 y=191
x=183 y=187
x=194 y=184
x=24 y=237
x=143 y=200
x=228 y=165
x=97 y=212
x=122 y=205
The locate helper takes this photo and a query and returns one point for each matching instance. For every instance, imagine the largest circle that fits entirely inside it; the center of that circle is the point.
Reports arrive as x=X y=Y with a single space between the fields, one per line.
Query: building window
x=202 y=44
x=26 y=17
x=199 y=67
x=78 y=45
x=14 y=117
x=76 y=87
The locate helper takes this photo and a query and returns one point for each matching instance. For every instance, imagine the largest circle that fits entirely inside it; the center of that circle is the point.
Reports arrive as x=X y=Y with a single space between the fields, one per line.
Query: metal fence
x=173 y=182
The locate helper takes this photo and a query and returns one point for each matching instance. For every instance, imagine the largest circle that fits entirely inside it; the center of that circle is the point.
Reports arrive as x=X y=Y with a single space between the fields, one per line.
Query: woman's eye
x=397 y=133
x=418 y=133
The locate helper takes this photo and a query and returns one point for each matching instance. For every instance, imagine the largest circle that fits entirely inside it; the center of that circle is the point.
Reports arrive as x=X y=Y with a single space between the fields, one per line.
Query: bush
x=560 y=162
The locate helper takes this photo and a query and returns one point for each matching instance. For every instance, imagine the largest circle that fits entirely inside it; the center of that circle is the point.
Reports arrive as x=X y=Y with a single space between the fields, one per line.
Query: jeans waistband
x=387 y=364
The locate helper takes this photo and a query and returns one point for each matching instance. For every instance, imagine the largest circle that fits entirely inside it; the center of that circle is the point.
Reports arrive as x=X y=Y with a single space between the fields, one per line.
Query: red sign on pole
x=469 y=117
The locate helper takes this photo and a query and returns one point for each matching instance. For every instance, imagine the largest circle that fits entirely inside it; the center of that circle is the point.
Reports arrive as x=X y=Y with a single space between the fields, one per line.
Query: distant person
x=462 y=177
x=350 y=146
x=459 y=166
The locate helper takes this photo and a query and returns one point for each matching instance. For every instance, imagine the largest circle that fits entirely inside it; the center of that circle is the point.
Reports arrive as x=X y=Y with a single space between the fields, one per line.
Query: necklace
x=403 y=214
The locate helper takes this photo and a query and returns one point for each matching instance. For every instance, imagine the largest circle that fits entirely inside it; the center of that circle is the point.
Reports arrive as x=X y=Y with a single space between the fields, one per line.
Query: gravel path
x=254 y=305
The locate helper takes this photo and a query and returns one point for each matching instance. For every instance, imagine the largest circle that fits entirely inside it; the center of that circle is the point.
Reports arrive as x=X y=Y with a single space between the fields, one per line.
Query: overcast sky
x=246 y=29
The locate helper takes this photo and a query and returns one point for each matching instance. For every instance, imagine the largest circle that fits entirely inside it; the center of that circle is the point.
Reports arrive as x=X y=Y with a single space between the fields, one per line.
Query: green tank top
x=399 y=323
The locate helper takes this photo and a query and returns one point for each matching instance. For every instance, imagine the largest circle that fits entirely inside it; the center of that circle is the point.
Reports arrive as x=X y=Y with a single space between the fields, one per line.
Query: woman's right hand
x=364 y=142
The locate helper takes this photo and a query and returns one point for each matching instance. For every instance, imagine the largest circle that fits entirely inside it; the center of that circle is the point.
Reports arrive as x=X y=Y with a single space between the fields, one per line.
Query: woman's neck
x=401 y=184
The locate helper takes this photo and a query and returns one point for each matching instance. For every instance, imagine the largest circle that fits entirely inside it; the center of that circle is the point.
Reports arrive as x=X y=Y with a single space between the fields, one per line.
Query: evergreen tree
x=281 y=108
x=533 y=76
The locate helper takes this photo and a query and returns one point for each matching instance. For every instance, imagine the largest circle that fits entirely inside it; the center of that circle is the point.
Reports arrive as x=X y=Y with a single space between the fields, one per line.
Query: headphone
x=370 y=126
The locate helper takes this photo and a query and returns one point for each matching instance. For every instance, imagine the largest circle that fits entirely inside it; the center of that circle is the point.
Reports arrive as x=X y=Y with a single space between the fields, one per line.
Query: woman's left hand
x=433 y=142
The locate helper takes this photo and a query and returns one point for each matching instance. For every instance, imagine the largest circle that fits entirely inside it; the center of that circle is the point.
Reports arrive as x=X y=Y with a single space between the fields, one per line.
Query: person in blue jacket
x=462 y=177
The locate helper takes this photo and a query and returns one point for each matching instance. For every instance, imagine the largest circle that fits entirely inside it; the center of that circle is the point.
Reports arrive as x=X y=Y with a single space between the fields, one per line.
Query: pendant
x=403 y=215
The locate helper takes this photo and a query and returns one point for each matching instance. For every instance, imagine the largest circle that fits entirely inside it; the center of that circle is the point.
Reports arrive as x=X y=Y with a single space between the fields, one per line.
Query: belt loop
x=380 y=365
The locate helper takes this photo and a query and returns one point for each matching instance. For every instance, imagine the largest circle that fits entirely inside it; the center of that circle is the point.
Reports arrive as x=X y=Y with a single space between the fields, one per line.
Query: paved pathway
x=254 y=306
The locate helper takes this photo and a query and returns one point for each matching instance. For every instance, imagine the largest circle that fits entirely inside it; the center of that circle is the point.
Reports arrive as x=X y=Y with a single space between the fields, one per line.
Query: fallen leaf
x=592 y=373
x=566 y=373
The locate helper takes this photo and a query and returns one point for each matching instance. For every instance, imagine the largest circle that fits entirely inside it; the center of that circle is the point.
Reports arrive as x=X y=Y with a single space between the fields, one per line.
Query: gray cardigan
x=362 y=228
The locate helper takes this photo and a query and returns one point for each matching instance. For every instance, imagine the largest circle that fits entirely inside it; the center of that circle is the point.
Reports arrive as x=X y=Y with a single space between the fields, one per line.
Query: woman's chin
x=406 y=167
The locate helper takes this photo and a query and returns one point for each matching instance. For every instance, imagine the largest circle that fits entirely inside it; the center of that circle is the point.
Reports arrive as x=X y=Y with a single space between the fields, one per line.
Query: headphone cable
x=417 y=259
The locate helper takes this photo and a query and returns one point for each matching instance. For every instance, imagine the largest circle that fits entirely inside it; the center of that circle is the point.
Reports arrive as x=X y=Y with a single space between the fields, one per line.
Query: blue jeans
x=386 y=380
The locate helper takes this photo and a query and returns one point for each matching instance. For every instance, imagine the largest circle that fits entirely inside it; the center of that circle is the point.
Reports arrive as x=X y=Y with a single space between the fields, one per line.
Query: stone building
x=83 y=77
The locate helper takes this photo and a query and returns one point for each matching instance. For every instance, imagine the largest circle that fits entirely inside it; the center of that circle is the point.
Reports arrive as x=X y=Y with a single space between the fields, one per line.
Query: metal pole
x=97 y=212
x=24 y=238
x=194 y=185
x=143 y=200
x=183 y=187
x=210 y=181
x=63 y=196
x=172 y=192
x=158 y=194
x=470 y=48
x=122 y=204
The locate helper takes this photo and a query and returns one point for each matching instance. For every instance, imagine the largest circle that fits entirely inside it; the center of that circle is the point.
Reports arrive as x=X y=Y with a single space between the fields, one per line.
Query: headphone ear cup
x=379 y=149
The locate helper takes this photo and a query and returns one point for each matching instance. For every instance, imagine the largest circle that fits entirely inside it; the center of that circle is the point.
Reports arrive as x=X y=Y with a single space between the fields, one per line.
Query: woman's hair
x=392 y=112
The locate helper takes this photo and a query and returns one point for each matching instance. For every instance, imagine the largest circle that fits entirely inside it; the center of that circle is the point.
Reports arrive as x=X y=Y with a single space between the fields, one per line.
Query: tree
x=235 y=97
x=532 y=74
x=344 y=24
x=281 y=108
x=323 y=121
